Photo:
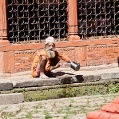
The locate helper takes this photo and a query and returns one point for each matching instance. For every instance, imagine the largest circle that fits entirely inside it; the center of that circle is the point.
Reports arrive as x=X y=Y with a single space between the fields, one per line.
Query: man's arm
x=34 y=65
x=64 y=57
x=49 y=67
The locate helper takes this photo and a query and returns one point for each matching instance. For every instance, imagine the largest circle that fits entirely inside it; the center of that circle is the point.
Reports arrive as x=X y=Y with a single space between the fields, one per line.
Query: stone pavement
x=68 y=108
x=65 y=75
x=65 y=108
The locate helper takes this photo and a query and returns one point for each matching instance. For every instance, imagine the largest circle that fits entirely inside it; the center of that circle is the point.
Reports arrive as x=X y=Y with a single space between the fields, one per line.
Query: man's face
x=50 y=48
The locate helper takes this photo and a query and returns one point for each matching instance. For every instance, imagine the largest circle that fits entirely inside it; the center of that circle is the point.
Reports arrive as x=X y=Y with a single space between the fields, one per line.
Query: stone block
x=36 y=82
x=12 y=98
x=66 y=80
x=110 y=75
x=91 y=78
x=27 y=83
x=5 y=86
x=49 y=82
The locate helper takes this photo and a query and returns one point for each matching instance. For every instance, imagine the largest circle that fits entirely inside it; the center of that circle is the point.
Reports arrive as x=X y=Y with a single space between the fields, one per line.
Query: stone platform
x=13 y=106
x=64 y=76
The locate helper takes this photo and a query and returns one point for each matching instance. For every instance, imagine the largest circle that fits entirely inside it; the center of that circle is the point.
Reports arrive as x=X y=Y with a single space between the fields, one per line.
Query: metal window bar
x=98 y=18
x=31 y=21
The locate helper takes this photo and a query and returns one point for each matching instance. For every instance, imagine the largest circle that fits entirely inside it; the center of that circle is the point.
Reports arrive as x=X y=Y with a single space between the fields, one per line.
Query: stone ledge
x=37 y=82
x=13 y=98
x=65 y=76
x=112 y=75
x=6 y=86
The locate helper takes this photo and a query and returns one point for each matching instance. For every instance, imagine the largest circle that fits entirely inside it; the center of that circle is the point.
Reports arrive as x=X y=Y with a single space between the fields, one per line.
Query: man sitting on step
x=47 y=59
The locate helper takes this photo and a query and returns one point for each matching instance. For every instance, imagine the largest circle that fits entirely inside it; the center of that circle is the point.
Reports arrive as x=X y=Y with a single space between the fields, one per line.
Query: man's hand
x=58 y=65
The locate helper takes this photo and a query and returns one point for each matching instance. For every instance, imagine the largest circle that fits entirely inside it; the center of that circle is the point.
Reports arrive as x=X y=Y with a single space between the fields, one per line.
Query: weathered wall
x=87 y=53
x=102 y=54
x=1 y=61
x=23 y=60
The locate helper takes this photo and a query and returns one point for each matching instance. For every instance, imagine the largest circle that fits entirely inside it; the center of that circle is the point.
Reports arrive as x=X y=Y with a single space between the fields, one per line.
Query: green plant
x=114 y=89
x=66 y=116
x=47 y=115
x=29 y=115
x=66 y=91
x=5 y=115
x=59 y=111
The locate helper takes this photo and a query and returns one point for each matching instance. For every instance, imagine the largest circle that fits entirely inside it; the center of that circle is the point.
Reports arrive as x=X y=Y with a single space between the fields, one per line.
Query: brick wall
x=102 y=54
x=23 y=60
x=87 y=53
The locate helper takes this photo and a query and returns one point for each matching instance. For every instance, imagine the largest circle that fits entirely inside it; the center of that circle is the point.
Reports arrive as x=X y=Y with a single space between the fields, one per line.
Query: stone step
x=5 y=85
x=69 y=77
x=12 y=98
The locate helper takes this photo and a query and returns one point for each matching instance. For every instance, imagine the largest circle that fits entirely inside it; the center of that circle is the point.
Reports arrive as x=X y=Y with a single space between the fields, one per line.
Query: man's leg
x=42 y=67
x=54 y=63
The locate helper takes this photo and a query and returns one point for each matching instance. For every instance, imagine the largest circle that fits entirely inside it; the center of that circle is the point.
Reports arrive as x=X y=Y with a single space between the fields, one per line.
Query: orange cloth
x=50 y=62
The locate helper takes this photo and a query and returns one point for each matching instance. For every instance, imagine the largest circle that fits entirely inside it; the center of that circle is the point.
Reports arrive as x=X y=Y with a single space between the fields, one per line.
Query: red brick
x=110 y=107
x=8 y=62
x=87 y=53
x=94 y=114
x=116 y=100
x=114 y=116
x=104 y=115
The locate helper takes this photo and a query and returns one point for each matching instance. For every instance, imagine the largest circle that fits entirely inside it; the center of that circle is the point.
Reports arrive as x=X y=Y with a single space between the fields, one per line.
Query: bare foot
x=43 y=76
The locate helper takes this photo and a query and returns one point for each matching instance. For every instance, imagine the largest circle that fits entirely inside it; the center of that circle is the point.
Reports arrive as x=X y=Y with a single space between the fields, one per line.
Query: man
x=47 y=59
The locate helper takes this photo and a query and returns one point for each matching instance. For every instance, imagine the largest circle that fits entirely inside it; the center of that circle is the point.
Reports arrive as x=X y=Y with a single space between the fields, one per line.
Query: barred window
x=33 y=20
x=98 y=18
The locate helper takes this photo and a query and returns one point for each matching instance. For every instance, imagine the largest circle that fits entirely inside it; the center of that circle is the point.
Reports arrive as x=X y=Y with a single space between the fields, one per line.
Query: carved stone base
x=73 y=38
x=4 y=42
